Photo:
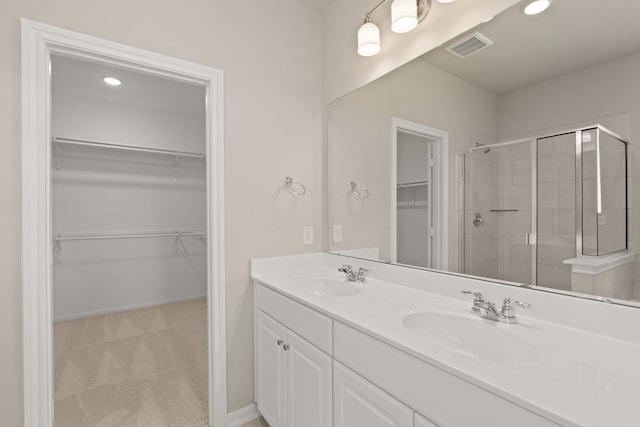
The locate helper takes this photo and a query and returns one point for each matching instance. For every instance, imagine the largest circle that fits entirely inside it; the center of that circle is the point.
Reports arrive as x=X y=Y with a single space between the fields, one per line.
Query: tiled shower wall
x=481 y=196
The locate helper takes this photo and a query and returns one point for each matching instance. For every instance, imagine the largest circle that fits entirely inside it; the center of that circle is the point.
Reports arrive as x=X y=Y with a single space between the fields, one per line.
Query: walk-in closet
x=129 y=240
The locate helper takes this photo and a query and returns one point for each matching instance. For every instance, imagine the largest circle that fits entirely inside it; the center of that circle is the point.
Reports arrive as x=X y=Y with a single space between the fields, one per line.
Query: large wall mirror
x=506 y=153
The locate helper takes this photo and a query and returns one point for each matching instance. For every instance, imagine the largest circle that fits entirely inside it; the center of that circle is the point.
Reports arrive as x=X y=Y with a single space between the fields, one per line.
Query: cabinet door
x=423 y=422
x=270 y=369
x=309 y=398
x=358 y=403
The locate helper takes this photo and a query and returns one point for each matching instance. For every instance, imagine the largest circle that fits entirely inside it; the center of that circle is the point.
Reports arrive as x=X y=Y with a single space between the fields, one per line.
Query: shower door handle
x=529 y=239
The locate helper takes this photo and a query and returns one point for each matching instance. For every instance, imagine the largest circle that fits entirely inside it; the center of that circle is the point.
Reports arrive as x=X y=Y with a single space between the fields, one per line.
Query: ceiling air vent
x=469 y=45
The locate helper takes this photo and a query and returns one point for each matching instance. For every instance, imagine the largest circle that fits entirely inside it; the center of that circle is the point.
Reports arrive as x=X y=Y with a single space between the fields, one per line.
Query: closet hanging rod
x=413 y=184
x=59 y=237
x=74 y=141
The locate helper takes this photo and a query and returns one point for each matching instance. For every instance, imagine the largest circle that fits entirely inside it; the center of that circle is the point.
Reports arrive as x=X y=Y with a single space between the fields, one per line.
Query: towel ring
x=359 y=190
x=294 y=187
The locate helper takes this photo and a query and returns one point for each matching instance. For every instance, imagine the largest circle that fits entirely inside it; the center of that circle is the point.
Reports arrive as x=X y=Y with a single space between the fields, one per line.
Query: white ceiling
x=84 y=78
x=569 y=36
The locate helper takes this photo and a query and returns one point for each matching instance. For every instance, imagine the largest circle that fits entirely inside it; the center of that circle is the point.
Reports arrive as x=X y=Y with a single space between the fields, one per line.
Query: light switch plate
x=307 y=235
x=337 y=234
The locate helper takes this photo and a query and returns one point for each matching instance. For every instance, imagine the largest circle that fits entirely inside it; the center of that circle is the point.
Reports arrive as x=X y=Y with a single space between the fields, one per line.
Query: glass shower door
x=556 y=210
x=498 y=226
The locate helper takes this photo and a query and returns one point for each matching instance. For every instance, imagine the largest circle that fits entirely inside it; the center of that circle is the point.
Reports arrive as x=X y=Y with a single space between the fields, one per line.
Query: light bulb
x=112 y=81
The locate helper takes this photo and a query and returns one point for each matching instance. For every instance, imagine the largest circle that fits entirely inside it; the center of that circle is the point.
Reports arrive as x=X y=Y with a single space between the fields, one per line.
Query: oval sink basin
x=473 y=336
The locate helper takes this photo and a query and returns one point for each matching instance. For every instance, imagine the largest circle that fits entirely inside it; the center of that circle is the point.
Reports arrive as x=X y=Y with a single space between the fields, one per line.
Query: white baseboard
x=75 y=316
x=242 y=415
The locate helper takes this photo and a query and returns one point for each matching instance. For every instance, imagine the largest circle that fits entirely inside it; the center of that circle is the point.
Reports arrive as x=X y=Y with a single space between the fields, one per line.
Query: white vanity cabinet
x=293 y=376
x=425 y=387
x=357 y=402
x=315 y=371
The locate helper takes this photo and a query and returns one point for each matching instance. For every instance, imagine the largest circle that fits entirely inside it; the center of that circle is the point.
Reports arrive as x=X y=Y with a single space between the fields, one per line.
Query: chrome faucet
x=488 y=310
x=351 y=275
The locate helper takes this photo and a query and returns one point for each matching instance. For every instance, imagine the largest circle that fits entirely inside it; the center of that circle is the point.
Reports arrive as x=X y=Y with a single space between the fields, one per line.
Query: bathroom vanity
x=404 y=349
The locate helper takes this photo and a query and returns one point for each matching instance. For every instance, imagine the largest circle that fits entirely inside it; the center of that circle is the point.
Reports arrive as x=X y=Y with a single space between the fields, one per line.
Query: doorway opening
x=50 y=231
x=419 y=195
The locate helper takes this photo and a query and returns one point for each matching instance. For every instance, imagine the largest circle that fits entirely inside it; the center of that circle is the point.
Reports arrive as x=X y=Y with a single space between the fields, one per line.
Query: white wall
x=360 y=144
x=97 y=190
x=270 y=53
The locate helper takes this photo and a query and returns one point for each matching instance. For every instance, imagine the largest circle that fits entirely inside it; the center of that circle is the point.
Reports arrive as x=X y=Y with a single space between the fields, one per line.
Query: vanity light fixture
x=405 y=16
x=112 y=81
x=534 y=7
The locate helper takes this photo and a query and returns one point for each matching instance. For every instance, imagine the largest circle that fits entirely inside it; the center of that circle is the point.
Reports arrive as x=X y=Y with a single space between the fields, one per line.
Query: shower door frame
x=39 y=42
x=579 y=225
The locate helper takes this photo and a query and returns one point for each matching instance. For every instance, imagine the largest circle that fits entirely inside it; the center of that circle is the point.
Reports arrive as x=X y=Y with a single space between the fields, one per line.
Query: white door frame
x=39 y=41
x=440 y=188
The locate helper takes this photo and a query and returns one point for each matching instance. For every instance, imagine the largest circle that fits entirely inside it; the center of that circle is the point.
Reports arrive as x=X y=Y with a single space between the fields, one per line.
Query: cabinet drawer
x=429 y=390
x=311 y=325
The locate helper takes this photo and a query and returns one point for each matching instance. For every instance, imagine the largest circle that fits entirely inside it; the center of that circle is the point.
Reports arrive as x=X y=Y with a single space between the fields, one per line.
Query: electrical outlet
x=337 y=234
x=307 y=235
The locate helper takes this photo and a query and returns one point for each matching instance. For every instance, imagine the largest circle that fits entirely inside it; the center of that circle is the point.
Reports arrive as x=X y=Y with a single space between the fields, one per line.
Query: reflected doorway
x=418 y=199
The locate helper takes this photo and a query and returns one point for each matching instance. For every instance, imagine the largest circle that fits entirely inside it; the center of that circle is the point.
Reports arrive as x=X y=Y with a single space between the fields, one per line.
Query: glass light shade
x=404 y=15
x=446 y=1
x=368 y=39
x=535 y=7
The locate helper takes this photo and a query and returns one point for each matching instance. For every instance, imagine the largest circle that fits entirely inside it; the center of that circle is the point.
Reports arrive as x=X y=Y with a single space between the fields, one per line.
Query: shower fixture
x=486 y=150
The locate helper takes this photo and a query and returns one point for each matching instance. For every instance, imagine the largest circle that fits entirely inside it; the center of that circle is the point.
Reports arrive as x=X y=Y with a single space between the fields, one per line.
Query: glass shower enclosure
x=532 y=204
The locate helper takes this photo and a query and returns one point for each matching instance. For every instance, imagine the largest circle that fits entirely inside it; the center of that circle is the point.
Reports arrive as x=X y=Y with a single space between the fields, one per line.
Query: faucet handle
x=508 y=304
x=478 y=296
x=477 y=300
x=508 y=314
x=360 y=277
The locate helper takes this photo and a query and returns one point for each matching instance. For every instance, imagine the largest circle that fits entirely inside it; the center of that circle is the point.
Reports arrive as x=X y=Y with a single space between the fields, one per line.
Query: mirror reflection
x=507 y=160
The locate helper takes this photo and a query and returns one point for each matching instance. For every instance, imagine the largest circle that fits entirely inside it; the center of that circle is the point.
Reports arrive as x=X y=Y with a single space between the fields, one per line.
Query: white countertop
x=580 y=378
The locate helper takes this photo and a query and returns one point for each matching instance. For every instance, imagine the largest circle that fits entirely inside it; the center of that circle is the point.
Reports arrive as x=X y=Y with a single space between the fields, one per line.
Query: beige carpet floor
x=136 y=368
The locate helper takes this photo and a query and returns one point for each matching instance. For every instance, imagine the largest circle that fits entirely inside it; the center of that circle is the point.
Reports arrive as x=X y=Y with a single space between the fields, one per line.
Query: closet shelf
x=89 y=143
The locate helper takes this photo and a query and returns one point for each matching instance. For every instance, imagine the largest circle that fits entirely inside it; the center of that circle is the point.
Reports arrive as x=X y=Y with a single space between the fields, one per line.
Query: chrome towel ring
x=294 y=187
x=359 y=190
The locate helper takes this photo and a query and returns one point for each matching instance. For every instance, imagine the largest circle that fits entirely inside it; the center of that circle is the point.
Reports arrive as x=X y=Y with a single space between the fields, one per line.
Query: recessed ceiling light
x=534 y=7
x=112 y=81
